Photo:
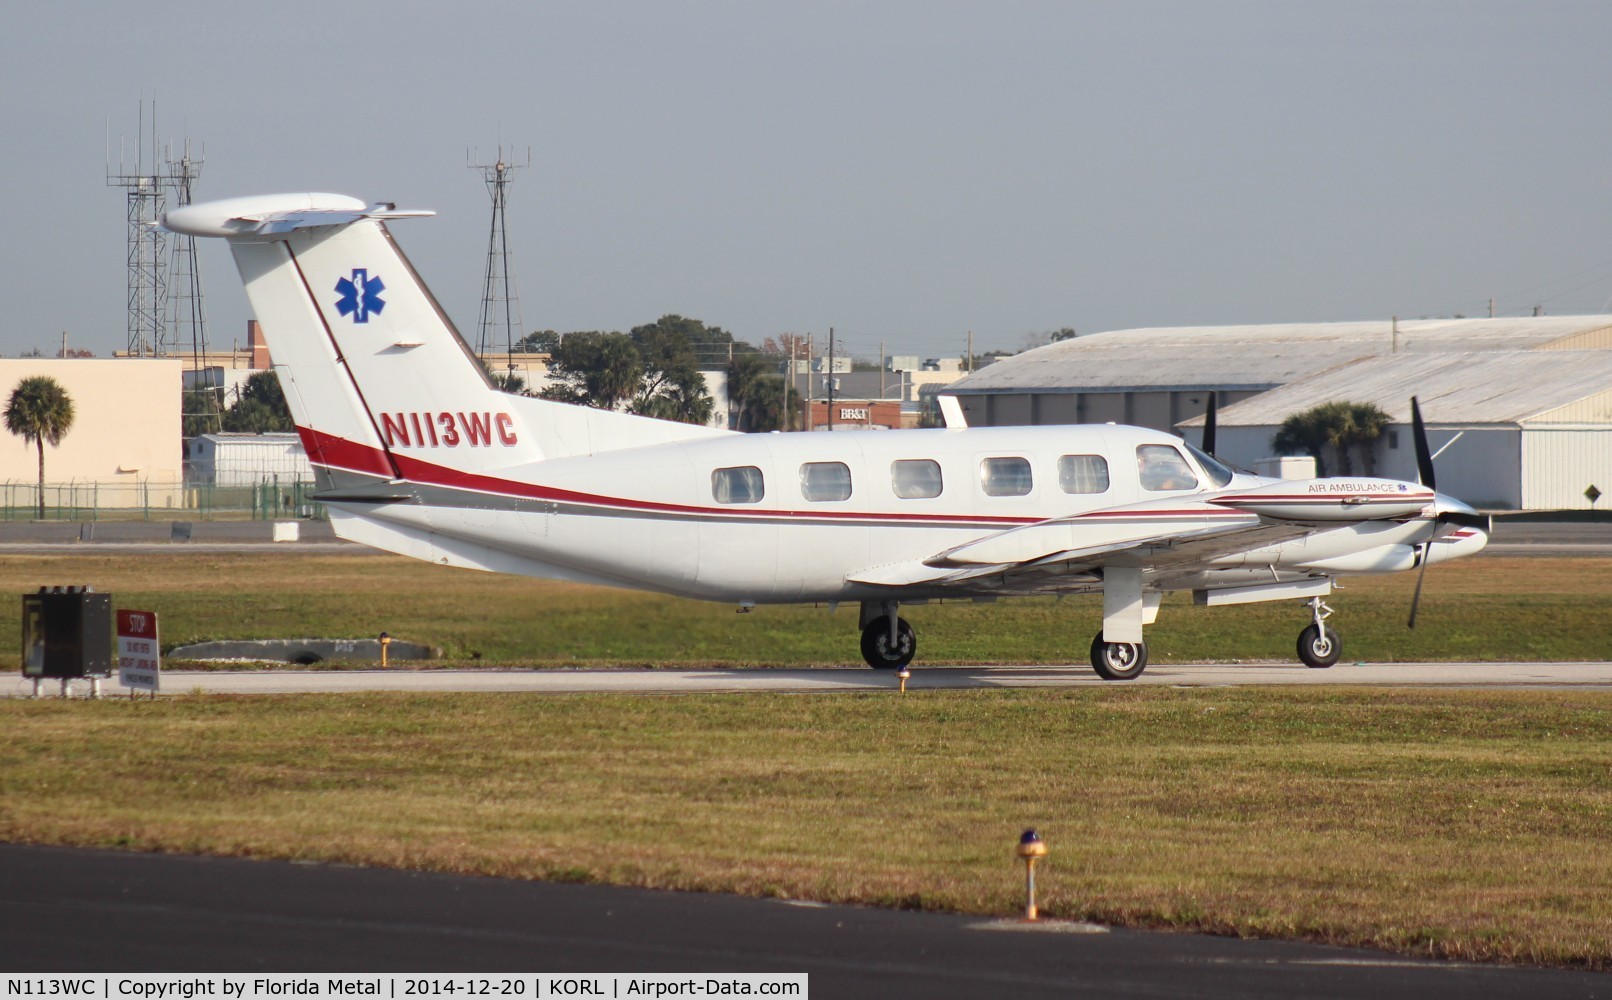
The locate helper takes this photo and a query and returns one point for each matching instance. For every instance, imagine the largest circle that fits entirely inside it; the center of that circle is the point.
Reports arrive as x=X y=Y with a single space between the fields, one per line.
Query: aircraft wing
x=1047 y=556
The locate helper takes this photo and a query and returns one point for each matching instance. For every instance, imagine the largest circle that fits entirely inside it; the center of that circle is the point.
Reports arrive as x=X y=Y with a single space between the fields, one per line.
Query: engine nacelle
x=1326 y=500
x=1382 y=559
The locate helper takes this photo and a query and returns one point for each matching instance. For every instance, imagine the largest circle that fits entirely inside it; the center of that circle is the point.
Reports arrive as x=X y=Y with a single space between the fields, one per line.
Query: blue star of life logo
x=360 y=295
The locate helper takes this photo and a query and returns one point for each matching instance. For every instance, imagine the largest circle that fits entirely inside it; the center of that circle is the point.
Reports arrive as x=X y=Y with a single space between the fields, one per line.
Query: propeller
x=1209 y=425
x=1424 y=475
x=1459 y=518
x=1424 y=457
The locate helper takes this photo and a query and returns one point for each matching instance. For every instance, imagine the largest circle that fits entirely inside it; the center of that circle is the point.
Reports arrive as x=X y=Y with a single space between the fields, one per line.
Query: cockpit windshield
x=1219 y=474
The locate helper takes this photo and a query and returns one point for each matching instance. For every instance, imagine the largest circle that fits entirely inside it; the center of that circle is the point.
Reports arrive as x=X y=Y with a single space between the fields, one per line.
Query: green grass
x=1461 y=824
x=1481 y=609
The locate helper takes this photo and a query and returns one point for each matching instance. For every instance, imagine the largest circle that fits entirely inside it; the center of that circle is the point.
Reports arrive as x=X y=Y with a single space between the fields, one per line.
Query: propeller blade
x=1416 y=599
x=1424 y=457
x=1209 y=425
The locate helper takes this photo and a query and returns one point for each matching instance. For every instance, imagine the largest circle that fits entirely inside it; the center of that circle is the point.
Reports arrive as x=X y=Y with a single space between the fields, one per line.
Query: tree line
x=655 y=370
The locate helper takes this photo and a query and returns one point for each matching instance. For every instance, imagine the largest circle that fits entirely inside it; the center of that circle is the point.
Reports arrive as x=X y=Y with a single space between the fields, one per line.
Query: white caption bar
x=522 y=986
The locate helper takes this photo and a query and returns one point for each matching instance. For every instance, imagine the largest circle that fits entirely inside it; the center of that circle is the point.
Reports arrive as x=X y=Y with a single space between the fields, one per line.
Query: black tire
x=876 y=644
x=1118 y=661
x=1319 y=647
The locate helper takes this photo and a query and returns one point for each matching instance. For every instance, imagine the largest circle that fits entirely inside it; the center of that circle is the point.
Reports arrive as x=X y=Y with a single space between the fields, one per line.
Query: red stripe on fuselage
x=430 y=474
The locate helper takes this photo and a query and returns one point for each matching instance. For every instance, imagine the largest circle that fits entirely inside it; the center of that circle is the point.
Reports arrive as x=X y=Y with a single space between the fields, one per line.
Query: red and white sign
x=139 y=656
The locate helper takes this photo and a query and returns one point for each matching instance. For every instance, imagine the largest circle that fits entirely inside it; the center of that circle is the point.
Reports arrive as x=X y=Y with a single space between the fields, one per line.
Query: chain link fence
x=268 y=499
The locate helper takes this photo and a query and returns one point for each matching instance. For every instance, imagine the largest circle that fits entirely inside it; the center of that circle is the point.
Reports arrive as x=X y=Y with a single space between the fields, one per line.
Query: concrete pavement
x=1597 y=675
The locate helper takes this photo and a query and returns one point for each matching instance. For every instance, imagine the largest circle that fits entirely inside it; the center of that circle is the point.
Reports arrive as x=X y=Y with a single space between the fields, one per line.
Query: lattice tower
x=148 y=245
x=187 y=319
x=501 y=326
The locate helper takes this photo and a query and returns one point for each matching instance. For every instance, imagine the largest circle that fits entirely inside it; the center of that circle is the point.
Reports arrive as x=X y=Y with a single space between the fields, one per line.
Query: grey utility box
x=66 y=632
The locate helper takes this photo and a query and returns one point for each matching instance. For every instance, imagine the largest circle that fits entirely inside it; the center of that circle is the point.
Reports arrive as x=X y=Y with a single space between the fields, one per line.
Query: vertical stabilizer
x=377 y=378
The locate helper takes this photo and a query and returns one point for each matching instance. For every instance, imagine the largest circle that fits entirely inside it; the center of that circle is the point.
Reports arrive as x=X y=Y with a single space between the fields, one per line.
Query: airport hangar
x=1532 y=394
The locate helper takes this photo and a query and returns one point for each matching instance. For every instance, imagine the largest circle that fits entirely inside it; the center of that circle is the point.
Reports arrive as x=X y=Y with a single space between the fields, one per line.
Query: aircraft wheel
x=1118 y=661
x=876 y=648
x=1319 y=646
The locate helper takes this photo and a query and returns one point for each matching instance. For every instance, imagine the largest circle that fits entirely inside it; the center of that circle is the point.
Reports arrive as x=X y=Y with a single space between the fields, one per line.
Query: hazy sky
x=903 y=171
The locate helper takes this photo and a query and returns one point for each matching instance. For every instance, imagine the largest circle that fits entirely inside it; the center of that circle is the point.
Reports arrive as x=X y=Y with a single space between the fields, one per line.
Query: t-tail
x=381 y=386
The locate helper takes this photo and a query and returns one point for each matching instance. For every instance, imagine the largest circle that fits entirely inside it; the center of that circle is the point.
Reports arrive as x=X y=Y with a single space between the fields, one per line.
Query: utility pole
x=831 y=378
x=810 y=350
x=971 y=350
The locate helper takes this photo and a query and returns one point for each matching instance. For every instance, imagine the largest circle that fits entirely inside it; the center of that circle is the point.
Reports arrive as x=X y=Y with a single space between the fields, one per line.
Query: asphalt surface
x=99 y=911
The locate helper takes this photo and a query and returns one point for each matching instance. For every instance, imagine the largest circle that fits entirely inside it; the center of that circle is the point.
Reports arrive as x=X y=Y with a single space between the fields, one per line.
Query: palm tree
x=41 y=411
x=745 y=372
x=1341 y=426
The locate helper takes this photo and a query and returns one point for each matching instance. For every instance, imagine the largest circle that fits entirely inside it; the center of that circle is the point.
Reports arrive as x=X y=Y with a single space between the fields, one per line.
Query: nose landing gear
x=1118 y=661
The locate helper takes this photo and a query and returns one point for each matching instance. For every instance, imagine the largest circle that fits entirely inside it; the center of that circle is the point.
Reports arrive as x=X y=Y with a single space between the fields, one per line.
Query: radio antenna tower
x=500 y=304
x=148 y=245
x=187 y=319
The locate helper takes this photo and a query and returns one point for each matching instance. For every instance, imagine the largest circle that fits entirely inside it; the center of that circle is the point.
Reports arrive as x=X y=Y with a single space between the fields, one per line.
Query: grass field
x=1448 y=823
x=1477 y=609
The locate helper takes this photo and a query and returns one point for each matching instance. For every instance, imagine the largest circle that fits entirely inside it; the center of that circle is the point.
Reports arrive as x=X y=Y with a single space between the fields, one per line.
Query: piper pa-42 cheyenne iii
x=417 y=452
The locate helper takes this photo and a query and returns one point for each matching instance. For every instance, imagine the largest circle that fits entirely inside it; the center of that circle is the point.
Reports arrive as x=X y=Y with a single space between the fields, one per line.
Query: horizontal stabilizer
x=269 y=215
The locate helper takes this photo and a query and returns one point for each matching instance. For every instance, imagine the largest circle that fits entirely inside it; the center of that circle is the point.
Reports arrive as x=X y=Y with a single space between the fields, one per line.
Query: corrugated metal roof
x=1252 y=357
x=1497 y=387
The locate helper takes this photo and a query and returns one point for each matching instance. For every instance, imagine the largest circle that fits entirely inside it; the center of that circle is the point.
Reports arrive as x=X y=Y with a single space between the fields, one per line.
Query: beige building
x=126 y=423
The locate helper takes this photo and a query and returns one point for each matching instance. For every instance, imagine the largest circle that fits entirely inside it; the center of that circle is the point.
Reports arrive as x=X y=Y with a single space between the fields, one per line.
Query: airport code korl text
x=242 y=986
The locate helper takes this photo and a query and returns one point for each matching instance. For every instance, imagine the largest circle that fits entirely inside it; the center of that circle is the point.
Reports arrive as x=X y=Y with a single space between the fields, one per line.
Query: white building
x=248 y=459
x=1161 y=376
x=1528 y=430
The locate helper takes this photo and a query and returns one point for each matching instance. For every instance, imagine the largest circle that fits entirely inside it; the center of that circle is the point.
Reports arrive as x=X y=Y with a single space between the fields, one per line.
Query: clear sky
x=903 y=171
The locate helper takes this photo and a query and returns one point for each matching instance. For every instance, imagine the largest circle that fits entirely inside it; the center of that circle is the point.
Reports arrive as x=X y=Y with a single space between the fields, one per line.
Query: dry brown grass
x=1450 y=823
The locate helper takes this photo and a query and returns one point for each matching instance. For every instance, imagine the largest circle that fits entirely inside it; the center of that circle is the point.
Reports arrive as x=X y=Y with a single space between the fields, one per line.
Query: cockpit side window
x=1218 y=472
x=1161 y=469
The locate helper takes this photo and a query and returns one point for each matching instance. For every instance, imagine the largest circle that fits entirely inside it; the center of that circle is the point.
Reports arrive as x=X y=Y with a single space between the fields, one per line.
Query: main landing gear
x=1319 y=645
x=888 y=642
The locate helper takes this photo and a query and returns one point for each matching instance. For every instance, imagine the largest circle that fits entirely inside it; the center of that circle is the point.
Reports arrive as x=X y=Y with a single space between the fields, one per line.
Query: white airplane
x=417 y=452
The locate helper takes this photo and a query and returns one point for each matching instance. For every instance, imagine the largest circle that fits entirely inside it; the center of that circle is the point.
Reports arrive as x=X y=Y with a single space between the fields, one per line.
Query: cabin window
x=915 y=478
x=1161 y=468
x=740 y=485
x=1005 y=477
x=825 y=481
x=1083 y=473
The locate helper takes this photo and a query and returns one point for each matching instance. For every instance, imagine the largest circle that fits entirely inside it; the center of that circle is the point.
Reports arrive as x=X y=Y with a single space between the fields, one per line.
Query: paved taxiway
x=102 y=911
x=1495 y=675
x=1512 y=537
